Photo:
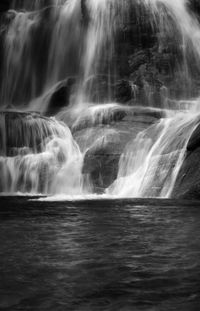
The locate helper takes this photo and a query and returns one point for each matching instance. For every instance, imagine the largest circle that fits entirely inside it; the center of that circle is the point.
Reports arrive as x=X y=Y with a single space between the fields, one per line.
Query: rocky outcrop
x=101 y=163
x=187 y=185
x=188 y=182
x=59 y=96
x=24 y=132
x=104 y=143
x=33 y=151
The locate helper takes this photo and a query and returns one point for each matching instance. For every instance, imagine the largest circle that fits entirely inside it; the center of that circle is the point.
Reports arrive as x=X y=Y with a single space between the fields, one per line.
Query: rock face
x=104 y=143
x=24 y=132
x=188 y=182
x=59 y=97
x=101 y=163
x=37 y=155
x=144 y=59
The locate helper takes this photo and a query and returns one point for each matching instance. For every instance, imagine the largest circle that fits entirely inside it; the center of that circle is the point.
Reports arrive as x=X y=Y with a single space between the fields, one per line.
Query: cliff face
x=152 y=59
x=146 y=66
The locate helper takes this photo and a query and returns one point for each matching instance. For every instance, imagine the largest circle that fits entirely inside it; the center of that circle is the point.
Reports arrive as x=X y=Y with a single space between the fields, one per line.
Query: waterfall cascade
x=39 y=155
x=150 y=164
x=46 y=43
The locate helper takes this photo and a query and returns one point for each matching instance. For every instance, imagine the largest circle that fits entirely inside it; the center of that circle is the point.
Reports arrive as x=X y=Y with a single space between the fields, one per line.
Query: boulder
x=24 y=132
x=187 y=185
x=194 y=142
x=103 y=144
x=101 y=163
x=59 y=96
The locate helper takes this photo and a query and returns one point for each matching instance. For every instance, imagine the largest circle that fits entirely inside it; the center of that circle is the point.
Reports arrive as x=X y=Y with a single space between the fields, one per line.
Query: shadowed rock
x=188 y=182
x=194 y=141
x=22 y=132
x=187 y=185
x=60 y=96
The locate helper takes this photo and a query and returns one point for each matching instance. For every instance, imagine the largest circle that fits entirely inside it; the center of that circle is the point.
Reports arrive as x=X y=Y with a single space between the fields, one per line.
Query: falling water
x=45 y=45
x=37 y=56
x=50 y=42
x=39 y=155
x=150 y=164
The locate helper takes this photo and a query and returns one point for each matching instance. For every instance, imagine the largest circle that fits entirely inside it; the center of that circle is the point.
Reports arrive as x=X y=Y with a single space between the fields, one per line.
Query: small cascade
x=38 y=155
x=37 y=56
x=150 y=164
x=176 y=22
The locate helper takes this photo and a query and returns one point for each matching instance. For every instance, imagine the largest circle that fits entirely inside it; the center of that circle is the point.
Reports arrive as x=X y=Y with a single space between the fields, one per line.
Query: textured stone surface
x=187 y=185
x=22 y=132
x=104 y=145
x=188 y=181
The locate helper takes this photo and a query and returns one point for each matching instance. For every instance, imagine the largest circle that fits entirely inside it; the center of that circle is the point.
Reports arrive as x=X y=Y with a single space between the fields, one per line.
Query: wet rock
x=59 y=96
x=111 y=115
x=188 y=182
x=123 y=91
x=194 y=141
x=101 y=163
x=138 y=59
x=24 y=132
x=104 y=144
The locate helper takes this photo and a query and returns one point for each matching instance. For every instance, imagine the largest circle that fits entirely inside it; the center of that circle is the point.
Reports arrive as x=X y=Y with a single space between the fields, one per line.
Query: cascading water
x=38 y=155
x=150 y=165
x=48 y=43
x=77 y=36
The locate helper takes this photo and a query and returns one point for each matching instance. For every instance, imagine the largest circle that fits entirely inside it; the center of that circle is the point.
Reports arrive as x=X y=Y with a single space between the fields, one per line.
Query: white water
x=45 y=45
x=80 y=44
x=52 y=164
x=150 y=164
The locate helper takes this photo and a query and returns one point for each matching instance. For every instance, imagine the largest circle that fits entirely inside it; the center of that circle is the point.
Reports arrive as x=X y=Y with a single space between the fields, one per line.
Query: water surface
x=99 y=255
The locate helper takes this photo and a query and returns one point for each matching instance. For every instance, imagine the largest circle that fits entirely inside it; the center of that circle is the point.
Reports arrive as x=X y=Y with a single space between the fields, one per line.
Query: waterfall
x=47 y=43
x=44 y=45
x=150 y=164
x=174 y=19
x=39 y=155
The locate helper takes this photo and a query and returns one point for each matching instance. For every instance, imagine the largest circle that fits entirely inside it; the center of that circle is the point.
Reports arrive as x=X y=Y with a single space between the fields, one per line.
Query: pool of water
x=99 y=255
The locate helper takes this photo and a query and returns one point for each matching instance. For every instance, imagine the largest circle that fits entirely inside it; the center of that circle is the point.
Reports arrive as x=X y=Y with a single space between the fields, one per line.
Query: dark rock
x=59 y=97
x=137 y=59
x=123 y=91
x=85 y=13
x=188 y=182
x=24 y=132
x=194 y=141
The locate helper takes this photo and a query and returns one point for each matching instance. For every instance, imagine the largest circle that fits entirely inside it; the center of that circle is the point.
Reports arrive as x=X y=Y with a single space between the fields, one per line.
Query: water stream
x=77 y=40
